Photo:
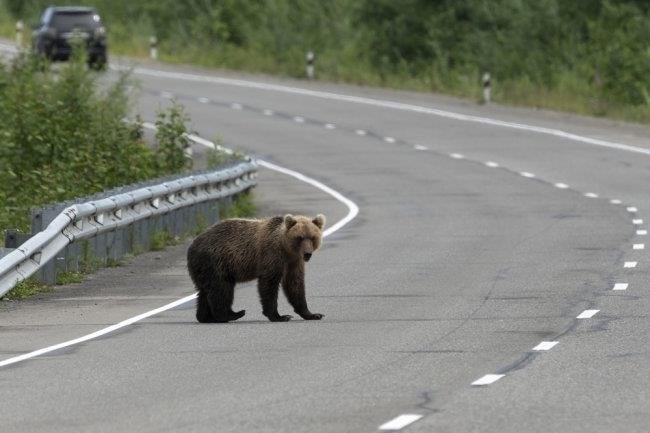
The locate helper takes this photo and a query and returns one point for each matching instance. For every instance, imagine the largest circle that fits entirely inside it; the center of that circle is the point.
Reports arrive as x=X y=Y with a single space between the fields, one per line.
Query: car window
x=68 y=21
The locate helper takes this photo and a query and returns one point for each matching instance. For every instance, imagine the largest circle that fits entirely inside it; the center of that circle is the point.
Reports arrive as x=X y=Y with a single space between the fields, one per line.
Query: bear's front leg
x=293 y=285
x=268 y=286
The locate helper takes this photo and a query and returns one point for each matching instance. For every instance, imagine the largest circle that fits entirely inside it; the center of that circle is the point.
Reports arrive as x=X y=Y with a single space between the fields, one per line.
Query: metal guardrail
x=124 y=221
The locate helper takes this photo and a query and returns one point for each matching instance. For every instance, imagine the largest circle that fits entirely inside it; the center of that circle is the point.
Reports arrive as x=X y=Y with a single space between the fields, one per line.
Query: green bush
x=62 y=136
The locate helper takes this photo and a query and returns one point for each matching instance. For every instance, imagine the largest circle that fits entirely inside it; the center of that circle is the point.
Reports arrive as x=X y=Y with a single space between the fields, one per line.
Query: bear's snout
x=306 y=256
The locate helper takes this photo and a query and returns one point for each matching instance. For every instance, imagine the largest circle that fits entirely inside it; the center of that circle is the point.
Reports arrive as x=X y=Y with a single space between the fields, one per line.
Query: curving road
x=451 y=301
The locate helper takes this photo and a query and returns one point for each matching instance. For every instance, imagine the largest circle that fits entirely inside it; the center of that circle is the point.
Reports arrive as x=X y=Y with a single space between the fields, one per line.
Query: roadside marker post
x=310 y=57
x=153 y=48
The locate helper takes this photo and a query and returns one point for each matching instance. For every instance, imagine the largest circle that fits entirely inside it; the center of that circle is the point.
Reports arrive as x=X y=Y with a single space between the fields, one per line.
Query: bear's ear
x=289 y=221
x=319 y=221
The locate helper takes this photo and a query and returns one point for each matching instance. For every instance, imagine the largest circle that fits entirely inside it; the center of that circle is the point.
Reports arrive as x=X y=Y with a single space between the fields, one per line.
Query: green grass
x=243 y=206
x=70 y=277
x=26 y=288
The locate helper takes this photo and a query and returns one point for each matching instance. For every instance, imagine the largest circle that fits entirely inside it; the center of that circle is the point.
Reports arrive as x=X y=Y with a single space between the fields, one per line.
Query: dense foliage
x=590 y=56
x=61 y=137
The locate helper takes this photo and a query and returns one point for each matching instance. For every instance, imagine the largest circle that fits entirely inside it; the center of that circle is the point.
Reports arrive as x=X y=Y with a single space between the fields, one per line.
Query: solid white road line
x=487 y=379
x=561 y=185
x=638 y=246
x=545 y=345
x=641 y=232
x=620 y=286
x=587 y=314
x=353 y=210
x=383 y=104
x=630 y=264
x=400 y=422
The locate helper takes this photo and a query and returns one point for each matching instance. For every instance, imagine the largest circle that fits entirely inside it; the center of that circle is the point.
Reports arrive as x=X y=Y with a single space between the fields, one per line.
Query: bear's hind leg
x=203 y=313
x=220 y=299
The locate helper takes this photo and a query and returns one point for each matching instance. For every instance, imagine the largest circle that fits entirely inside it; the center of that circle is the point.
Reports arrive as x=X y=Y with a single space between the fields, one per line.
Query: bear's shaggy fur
x=272 y=250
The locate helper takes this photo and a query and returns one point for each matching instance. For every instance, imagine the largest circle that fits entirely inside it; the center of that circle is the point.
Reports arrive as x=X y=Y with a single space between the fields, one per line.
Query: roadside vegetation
x=588 y=56
x=63 y=136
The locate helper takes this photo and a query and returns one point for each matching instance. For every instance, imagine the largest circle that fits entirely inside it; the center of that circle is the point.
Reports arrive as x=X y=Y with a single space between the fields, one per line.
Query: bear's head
x=303 y=235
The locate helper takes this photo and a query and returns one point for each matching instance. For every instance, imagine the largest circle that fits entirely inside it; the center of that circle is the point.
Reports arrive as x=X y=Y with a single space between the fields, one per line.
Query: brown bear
x=272 y=250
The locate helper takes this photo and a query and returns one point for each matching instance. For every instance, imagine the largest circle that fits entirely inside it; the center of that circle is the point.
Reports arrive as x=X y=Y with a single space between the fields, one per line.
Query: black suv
x=52 y=36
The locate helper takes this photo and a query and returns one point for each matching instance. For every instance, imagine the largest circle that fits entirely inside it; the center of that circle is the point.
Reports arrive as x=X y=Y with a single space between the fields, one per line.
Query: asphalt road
x=454 y=269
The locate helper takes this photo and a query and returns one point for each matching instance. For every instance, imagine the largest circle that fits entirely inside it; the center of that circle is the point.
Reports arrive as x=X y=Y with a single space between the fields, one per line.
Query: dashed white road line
x=236 y=106
x=641 y=232
x=487 y=379
x=457 y=155
x=527 y=174
x=203 y=100
x=591 y=195
x=638 y=246
x=632 y=209
x=545 y=345
x=330 y=126
x=615 y=201
x=268 y=112
x=637 y=221
x=587 y=314
x=353 y=210
x=561 y=185
x=492 y=164
x=299 y=119
x=360 y=132
x=620 y=286
x=166 y=95
x=400 y=422
x=630 y=264
x=420 y=147
x=389 y=139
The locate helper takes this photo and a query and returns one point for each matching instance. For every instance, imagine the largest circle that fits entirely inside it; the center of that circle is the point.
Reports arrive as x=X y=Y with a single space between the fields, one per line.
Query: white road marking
x=491 y=164
x=545 y=345
x=236 y=106
x=591 y=195
x=487 y=379
x=632 y=209
x=400 y=422
x=330 y=126
x=638 y=247
x=166 y=95
x=420 y=147
x=637 y=221
x=389 y=139
x=383 y=104
x=203 y=100
x=615 y=201
x=353 y=210
x=587 y=314
x=299 y=119
x=620 y=286
x=360 y=132
x=457 y=155
x=561 y=185
x=527 y=174
x=641 y=232
x=630 y=264
x=268 y=112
